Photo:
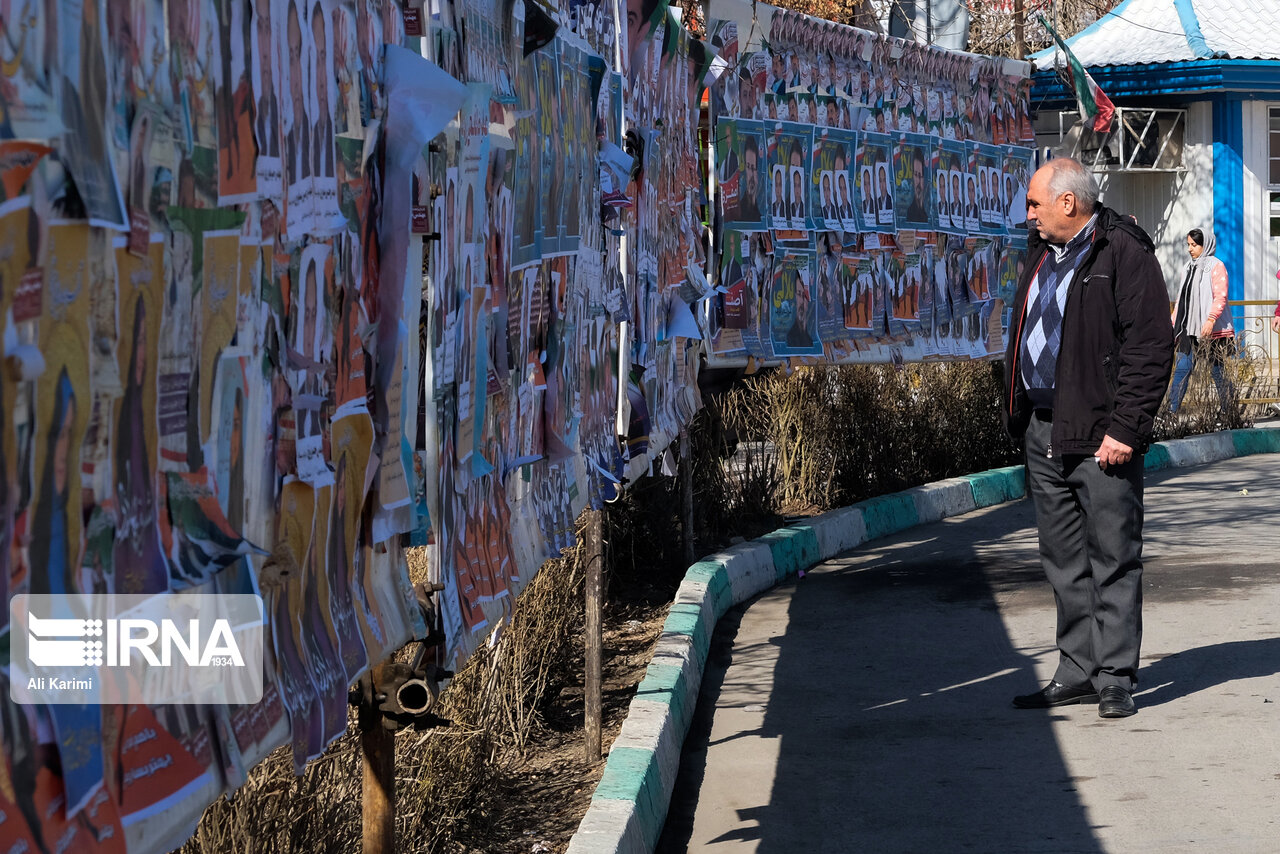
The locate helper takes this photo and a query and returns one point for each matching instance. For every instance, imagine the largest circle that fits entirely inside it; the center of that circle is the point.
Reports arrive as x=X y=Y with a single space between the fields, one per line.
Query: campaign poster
x=757 y=260
x=914 y=192
x=293 y=46
x=734 y=265
x=881 y=287
x=828 y=297
x=265 y=70
x=551 y=155
x=328 y=217
x=986 y=165
x=874 y=160
x=1017 y=175
x=790 y=165
x=793 y=328
x=843 y=170
x=743 y=181
x=81 y=63
x=904 y=303
x=237 y=149
x=857 y=287
x=952 y=166
x=137 y=554
x=981 y=267
x=935 y=278
x=527 y=189
x=824 y=200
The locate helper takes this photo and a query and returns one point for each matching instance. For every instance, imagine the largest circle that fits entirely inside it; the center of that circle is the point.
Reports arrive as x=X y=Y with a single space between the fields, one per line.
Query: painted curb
x=630 y=803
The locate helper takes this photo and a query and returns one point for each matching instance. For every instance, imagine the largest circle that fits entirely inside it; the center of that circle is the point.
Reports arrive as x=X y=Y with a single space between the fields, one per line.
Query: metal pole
x=378 y=778
x=593 y=683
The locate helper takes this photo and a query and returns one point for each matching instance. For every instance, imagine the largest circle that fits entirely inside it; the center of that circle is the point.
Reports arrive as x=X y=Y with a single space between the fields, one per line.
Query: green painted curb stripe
x=807 y=550
x=887 y=514
x=686 y=619
x=1256 y=441
x=996 y=486
x=794 y=549
x=1157 y=457
x=631 y=775
x=715 y=575
x=664 y=683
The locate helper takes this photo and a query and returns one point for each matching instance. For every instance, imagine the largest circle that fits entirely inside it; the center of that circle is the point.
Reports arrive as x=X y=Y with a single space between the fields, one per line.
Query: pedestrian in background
x=1084 y=376
x=1201 y=323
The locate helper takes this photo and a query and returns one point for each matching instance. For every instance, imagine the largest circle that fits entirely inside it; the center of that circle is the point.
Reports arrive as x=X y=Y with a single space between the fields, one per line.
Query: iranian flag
x=1096 y=109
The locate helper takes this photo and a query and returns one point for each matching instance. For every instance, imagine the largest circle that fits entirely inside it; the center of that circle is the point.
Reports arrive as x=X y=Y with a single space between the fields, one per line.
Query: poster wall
x=888 y=149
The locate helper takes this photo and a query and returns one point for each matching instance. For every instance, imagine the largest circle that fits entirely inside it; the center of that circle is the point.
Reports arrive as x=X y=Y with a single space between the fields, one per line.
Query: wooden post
x=378 y=778
x=1019 y=34
x=594 y=652
x=686 y=496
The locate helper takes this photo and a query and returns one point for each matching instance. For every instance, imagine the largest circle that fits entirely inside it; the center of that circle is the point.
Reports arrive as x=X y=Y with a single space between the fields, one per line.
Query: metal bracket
x=405 y=695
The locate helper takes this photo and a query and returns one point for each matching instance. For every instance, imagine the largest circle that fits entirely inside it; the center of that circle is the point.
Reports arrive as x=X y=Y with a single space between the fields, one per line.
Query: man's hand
x=1112 y=453
x=1275 y=324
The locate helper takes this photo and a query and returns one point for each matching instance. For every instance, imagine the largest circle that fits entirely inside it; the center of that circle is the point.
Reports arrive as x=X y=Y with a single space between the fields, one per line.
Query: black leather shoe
x=1116 y=702
x=1056 y=694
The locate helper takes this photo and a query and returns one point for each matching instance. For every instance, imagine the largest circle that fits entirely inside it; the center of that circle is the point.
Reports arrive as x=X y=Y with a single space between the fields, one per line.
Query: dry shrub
x=453 y=781
x=1203 y=411
x=840 y=434
x=276 y=811
x=450 y=782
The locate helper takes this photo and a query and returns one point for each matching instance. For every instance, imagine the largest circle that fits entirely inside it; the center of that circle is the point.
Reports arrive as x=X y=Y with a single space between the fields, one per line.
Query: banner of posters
x=879 y=152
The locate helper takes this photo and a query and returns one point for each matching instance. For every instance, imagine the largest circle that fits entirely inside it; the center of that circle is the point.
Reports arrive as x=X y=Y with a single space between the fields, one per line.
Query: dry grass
x=1202 y=410
x=449 y=781
x=833 y=436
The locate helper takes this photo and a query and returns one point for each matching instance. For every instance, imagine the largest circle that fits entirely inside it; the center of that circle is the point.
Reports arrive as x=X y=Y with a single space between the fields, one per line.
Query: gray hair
x=1068 y=175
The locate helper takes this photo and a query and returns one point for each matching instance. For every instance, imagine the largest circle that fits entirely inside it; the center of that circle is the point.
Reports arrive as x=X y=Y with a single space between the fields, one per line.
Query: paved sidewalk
x=866 y=706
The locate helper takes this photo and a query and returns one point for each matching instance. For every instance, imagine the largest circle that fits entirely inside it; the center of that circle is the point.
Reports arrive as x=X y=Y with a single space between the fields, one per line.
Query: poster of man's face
x=912 y=160
x=778 y=196
x=320 y=34
x=749 y=189
x=293 y=88
x=267 y=118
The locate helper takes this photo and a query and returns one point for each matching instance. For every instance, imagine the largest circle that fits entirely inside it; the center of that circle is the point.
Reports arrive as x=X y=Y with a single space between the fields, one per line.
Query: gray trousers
x=1090 y=524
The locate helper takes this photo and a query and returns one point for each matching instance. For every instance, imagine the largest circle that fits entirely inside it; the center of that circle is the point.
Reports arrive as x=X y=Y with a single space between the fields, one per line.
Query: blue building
x=1197 y=141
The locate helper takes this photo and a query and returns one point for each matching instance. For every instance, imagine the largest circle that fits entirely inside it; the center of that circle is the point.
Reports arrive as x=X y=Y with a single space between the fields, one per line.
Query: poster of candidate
x=913 y=182
x=874 y=160
x=793 y=328
x=790 y=166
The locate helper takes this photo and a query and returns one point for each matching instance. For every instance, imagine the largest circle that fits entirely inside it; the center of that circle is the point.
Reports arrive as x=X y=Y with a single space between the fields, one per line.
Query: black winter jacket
x=1117 y=342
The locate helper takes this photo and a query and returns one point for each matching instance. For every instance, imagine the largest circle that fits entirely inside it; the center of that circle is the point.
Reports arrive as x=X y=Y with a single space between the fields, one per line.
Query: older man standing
x=1084 y=375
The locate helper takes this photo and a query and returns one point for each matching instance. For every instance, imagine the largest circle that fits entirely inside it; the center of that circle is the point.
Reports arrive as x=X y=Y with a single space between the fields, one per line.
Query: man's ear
x=1069 y=205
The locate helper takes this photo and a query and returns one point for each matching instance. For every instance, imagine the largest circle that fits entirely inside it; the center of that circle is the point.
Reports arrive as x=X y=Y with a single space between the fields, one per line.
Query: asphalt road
x=866 y=706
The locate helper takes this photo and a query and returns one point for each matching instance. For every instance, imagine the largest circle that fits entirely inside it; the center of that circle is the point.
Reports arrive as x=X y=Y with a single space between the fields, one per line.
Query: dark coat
x=1117 y=343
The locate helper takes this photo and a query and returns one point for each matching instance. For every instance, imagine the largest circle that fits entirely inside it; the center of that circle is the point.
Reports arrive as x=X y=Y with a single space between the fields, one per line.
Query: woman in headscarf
x=1201 y=323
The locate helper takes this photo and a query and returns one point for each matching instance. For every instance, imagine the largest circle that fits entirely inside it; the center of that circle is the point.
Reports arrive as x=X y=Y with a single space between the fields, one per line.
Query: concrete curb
x=630 y=803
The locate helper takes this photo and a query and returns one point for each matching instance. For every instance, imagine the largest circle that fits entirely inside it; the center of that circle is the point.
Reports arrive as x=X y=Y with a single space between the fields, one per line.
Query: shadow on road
x=889 y=696
x=1184 y=673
